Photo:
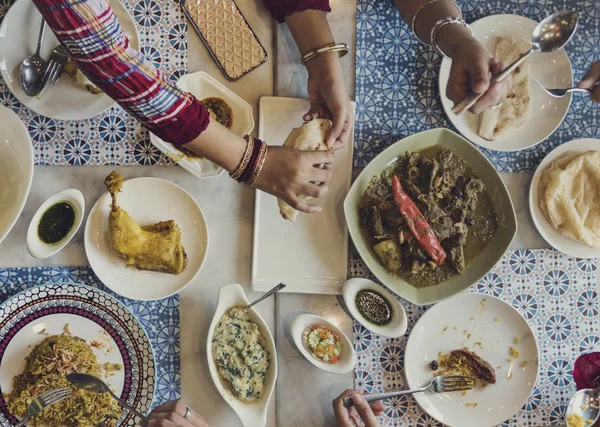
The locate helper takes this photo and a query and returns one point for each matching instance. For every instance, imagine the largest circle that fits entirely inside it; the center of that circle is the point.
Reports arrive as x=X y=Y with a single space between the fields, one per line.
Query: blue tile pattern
x=397 y=78
x=555 y=293
x=159 y=318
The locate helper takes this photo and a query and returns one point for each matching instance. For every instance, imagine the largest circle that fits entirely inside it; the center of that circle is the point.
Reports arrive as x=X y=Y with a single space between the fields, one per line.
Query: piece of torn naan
x=514 y=110
x=308 y=137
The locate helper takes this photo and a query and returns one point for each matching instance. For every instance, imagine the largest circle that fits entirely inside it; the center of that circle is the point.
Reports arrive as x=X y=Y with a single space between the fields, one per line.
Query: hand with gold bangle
x=320 y=54
x=440 y=23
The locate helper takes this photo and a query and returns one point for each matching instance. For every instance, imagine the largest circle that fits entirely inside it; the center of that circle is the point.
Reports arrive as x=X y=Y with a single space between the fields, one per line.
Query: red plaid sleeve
x=91 y=33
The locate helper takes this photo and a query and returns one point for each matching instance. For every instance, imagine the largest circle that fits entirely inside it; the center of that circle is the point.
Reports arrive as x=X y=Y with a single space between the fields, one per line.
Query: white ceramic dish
x=66 y=100
x=16 y=169
x=488 y=326
x=347 y=359
x=254 y=414
x=29 y=317
x=485 y=261
x=202 y=85
x=147 y=200
x=397 y=326
x=554 y=238
x=35 y=246
x=553 y=70
x=311 y=254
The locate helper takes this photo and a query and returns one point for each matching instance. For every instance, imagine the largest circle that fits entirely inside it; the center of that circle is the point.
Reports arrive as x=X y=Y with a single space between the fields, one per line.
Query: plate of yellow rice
x=50 y=331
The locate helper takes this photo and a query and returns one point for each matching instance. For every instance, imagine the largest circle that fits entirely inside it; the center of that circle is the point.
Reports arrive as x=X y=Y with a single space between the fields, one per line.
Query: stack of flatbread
x=569 y=196
x=514 y=110
x=308 y=137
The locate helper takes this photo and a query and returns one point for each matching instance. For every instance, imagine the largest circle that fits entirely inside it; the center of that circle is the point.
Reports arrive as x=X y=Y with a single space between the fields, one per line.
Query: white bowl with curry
x=430 y=216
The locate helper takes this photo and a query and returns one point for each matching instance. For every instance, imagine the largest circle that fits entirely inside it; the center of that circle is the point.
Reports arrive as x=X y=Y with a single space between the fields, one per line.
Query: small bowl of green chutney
x=55 y=223
x=375 y=308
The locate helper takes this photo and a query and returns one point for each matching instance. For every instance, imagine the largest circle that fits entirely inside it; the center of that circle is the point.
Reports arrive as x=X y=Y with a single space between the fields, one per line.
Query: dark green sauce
x=56 y=223
x=374 y=307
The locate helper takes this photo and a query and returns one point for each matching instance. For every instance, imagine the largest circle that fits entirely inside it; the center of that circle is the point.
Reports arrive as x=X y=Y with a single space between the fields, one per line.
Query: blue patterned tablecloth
x=397 y=78
x=159 y=318
x=113 y=137
x=555 y=293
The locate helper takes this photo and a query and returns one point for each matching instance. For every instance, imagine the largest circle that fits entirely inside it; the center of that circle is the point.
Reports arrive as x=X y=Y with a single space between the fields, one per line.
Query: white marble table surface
x=304 y=394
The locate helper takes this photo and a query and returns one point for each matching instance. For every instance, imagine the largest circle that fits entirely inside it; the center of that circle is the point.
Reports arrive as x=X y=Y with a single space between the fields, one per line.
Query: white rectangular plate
x=311 y=254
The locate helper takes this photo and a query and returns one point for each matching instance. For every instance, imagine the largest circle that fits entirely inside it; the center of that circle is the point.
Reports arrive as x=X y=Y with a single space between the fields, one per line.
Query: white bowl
x=202 y=85
x=347 y=359
x=39 y=249
x=16 y=169
x=396 y=328
x=250 y=414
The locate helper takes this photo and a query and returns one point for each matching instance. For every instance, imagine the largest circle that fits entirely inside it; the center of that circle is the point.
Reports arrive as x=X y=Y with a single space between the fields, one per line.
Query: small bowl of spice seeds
x=375 y=308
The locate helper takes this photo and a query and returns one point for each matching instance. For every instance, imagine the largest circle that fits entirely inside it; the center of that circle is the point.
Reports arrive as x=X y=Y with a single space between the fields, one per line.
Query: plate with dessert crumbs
x=480 y=336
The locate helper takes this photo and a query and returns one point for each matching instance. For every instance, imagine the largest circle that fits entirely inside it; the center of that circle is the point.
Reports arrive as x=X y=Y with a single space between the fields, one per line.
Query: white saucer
x=553 y=237
x=397 y=326
x=551 y=69
x=347 y=359
x=35 y=246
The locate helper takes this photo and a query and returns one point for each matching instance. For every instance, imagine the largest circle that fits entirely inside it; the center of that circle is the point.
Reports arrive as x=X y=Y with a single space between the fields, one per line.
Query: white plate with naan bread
x=564 y=198
x=307 y=252
x=528 y=115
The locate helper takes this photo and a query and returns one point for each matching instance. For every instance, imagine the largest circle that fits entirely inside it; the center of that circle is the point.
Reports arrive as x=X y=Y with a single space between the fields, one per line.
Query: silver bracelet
x=413 y=25
x=441 y=24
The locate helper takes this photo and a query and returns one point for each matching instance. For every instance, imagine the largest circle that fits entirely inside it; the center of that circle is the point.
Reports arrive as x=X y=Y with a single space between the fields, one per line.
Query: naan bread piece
x=560 y=162
x=514 y=110
x=308 y=137
x=573 y=199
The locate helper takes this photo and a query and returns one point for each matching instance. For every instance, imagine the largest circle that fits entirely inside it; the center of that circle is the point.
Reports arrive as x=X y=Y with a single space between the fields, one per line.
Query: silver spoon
x=551 y=34
x=33 y=69
x=585 y=403
x=96 y=385
x=267 y=295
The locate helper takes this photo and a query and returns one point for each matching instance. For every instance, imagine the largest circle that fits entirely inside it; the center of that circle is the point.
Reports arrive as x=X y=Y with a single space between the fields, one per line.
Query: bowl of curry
x=430 y=216
x=224 y=107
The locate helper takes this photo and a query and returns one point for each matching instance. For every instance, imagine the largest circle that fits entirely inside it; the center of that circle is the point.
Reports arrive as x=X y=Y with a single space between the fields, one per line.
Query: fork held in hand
x=558 y=93
x=440 y=384
x=44 y=400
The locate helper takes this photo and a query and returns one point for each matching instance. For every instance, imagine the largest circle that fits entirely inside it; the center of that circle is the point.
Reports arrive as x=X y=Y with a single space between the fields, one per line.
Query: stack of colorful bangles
x=252 y=162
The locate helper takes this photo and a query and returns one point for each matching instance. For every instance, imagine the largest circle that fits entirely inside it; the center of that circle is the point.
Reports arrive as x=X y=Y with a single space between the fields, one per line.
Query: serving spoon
x=96 y=385
x=267 y=295
x=586 y=404
x=549 y=35
x=33 y=69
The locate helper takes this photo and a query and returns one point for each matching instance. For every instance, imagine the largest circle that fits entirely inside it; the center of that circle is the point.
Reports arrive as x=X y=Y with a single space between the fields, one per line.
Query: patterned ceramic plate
x=490 y=327
x=28 y=317
x=551 y=69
